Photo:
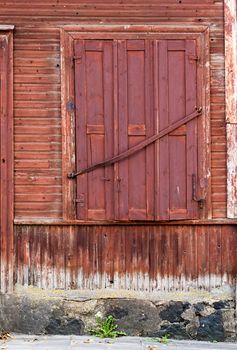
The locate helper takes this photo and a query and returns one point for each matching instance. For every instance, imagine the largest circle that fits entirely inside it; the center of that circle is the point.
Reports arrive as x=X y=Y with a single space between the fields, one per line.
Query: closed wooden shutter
x=126 y=91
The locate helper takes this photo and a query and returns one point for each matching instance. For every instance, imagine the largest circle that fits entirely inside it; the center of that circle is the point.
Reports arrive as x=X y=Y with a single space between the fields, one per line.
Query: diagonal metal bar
x=139 y=146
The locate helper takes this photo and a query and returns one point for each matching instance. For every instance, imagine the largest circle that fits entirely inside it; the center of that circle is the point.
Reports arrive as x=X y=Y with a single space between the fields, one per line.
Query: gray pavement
x=25 y=342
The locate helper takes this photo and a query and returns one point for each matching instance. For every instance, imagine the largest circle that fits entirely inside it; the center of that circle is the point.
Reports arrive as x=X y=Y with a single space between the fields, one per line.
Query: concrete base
x=190 y=315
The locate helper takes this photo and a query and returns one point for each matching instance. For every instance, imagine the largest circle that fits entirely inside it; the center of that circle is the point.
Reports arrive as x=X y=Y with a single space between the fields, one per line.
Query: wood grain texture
x=6 y=161
x=151 y=258
x=37 y=85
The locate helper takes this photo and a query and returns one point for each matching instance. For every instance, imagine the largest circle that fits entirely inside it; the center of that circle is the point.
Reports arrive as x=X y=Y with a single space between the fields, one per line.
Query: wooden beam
x=231 y=100
x=6 y=161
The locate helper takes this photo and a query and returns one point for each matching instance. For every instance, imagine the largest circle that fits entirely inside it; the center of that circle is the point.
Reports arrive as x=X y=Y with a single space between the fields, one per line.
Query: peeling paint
x=231 y=99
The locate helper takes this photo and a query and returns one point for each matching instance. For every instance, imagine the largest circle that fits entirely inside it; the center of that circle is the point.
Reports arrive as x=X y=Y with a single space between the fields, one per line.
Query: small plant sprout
x=106 y=328
x=164 y=339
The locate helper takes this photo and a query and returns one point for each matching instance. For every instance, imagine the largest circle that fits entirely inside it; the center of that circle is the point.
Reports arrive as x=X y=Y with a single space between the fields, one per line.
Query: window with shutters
x=140 y=114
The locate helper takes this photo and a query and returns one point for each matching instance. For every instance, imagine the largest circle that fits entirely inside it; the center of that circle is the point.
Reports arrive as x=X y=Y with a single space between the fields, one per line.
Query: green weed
x=106 y=328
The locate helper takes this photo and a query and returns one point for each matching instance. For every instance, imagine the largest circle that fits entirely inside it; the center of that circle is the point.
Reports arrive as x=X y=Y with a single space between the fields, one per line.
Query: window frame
x=98 y=31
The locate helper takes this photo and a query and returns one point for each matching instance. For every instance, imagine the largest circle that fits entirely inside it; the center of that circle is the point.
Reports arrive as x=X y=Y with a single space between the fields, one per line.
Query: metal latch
x=199 y=200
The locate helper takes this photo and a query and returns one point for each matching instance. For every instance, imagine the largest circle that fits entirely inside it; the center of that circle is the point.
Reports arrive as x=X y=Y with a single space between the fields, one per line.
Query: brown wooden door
x=127 y=91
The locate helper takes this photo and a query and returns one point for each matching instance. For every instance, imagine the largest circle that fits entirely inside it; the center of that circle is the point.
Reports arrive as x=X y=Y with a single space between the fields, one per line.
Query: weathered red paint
x=6 y=159
x=53 y=256
x=164 y=258
x=231 y=103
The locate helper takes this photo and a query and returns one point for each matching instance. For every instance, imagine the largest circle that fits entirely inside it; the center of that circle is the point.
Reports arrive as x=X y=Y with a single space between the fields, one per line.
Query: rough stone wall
x=207 y=319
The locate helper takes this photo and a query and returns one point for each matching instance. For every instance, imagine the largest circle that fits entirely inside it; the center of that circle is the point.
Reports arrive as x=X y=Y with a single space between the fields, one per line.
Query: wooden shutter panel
x=94 y=127
x=135 y=124
x=127 y=91
x=178 y=151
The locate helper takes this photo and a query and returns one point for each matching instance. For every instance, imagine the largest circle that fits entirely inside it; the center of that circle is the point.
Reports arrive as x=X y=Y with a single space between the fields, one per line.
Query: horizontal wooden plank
x=39 y=147
x=37 y=70
x=43 y=96
x=45 y=113
x=37 y=138
x=36 y=104
x=37 y=78
x=36 y=88
x=36 y=197
x=37 y=164
x=34 y=206
x=30 y=155
x=38 y=130
x=34 y=178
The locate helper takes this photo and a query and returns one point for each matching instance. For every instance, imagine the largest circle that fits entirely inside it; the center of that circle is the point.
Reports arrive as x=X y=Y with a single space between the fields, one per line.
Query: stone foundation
x=38 y=312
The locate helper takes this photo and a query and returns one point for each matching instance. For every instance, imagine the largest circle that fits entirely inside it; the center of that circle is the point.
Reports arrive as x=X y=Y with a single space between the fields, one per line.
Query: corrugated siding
x=38 y=191
x=162 y=258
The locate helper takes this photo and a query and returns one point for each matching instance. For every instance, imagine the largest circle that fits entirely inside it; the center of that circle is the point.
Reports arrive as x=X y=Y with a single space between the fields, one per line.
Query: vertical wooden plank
x=120 y=263
x=86 y=258
x=105 y=256
x=188 y=257
x=26 y=263
x=203 y=257
x=153 y=250
x=70 y=258
x=18 y=257
x=170 y=260
x=68 y=124
x=230 y=25
x=164 y=257
x=109 y=83
x=129 y=258
x=156 y=107
x=81 y=146
x=164 y=191
x=136 y=132
x=145 y=237
x=178 y=176
x=79 y=248
x=122 y=180
x=6 y=155
x=177 y=142
x=232 y=255
x=192 y=141
x=116 y=127
x=36 y=254
x=215 y=255
x=43 y=255
x=193 y=253
x=95 y=121
x=59 y=258
x=150 y=114
x=225 y=254
x=177 y=253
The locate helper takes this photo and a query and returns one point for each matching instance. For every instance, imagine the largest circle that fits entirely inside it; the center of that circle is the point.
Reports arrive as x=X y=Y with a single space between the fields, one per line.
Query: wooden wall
x=161 y=258
x=37 y=116
x=142 y=257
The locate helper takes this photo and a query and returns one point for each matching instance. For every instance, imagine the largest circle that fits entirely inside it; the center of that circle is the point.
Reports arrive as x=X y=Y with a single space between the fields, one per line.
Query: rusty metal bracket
x=139 y=146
